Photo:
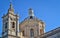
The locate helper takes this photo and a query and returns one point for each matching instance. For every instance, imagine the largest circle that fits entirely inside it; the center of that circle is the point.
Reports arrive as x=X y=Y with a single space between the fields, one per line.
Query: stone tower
x=31 y=27
x=10 y=24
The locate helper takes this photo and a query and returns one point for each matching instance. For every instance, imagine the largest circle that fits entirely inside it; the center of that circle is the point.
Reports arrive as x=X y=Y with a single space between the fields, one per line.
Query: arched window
x=6 y=24
x=31 y=17
x=13 y=25
x=23 y=33
x=41 y=31
x=31 y=32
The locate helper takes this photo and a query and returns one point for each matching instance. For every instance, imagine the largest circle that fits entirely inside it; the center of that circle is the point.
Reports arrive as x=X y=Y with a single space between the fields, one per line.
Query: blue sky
x=46 y=10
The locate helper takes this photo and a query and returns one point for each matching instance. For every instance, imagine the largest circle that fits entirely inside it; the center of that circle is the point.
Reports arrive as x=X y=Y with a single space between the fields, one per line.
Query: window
x=31 y=32
x=11 y=18
x=41 y=31
x=6 y=19
x=13 y=25
x=31 y=17
x=6 y=25
x=23 y=33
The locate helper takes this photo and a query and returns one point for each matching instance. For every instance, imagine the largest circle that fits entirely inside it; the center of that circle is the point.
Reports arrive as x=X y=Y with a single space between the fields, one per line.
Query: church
x=30 y=27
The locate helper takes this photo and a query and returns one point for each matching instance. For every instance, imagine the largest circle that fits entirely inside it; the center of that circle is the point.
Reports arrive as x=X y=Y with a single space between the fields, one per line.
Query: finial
x=11 y=7
x=31 y=12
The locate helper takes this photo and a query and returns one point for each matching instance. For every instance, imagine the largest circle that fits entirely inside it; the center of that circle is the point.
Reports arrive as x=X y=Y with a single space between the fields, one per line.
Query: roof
x=52 y=32
x=34 y=18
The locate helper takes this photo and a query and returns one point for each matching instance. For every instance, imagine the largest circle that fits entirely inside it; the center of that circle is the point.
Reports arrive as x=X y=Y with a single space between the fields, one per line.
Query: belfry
x=30 y=27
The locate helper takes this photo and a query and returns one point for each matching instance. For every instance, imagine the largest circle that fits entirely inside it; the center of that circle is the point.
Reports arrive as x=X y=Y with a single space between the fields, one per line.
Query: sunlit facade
x=30 y=27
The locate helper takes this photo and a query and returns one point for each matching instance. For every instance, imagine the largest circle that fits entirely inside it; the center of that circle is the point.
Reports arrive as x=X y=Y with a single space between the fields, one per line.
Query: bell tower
x=10 y=24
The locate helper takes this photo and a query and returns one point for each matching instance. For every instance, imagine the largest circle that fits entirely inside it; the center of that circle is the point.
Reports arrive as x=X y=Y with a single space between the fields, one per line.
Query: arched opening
x=41 y=31
x=13 y=25
x=6 y=24
x=31 y=32
x=23 y=33
x=31 y=17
